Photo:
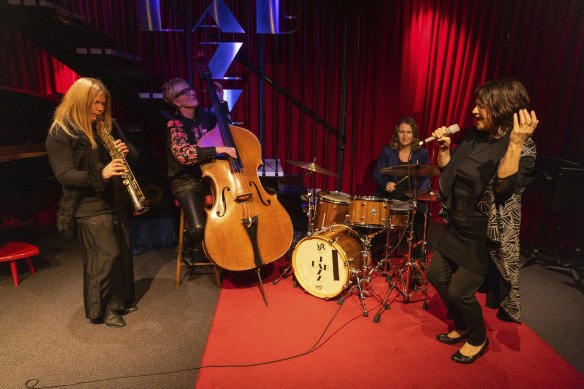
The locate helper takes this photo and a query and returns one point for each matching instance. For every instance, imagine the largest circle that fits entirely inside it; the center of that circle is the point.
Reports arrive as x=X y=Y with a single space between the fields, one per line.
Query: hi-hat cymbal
x=424 y=196
x=312 y=167
x=411 y=170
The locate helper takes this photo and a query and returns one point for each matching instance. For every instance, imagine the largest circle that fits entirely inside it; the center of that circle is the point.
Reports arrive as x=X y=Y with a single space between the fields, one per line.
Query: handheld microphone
x=449 y=131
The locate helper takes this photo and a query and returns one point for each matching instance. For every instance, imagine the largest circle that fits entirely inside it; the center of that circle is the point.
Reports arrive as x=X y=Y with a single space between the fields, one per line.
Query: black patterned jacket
x=78 y=168
x=500 y=201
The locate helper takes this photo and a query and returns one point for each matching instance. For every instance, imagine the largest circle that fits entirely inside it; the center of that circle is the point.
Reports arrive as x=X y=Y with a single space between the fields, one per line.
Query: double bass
x=246 y=227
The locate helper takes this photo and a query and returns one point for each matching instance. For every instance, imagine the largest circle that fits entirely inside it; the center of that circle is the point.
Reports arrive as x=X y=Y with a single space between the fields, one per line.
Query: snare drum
x=368 y=211
x=322 y=262
x=331 y=209
x=399 y=215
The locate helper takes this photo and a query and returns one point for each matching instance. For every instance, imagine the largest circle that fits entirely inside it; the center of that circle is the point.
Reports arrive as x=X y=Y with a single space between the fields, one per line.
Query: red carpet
x=400 y=351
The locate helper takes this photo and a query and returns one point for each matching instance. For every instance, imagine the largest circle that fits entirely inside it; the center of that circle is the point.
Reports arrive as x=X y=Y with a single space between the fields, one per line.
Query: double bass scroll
x=246 y=227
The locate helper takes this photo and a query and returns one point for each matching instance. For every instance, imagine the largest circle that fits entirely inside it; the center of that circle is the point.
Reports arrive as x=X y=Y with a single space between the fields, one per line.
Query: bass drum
x=322 y=262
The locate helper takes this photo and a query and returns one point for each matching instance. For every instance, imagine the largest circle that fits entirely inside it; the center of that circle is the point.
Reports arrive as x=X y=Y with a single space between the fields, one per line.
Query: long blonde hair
x=72 y=114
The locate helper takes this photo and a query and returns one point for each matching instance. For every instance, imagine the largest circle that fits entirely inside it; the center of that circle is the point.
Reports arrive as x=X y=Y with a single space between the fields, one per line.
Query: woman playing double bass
x=184 y=154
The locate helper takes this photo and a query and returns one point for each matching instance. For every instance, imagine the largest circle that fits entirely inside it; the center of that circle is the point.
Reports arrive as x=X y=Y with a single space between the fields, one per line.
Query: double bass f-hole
x=260 y=195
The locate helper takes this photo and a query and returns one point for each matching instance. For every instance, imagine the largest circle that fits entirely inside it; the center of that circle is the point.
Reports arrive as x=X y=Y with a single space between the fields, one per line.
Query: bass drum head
x=322 y=262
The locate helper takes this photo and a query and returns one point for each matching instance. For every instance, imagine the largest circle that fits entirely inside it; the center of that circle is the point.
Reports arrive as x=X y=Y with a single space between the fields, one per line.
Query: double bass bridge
x=243 y=197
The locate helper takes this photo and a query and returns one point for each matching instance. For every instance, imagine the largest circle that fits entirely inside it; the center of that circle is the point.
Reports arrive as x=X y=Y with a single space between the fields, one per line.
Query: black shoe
x=444 y=338
x=122 y=312
x=459 y=358
x=97 y=320
x=133 y=308
x=188 y=261
x=115 y=320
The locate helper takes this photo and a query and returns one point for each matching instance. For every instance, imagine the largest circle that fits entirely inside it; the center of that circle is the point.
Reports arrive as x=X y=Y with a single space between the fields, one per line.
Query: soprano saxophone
x=138 y=199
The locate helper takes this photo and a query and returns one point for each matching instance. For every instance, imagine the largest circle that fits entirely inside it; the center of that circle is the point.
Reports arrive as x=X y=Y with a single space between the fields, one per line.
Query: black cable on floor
x=32 y=383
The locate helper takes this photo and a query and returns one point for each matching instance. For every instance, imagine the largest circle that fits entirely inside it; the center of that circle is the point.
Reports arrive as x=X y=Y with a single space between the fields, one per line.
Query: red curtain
x=358 y=66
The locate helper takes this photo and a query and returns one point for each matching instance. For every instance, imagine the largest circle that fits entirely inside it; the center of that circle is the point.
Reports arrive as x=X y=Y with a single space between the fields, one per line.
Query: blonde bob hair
x=72 y=114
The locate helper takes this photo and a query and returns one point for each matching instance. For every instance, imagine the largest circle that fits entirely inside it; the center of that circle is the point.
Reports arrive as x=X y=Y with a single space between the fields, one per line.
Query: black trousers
x=108 y=264
x=457 y=288
x=192 y=203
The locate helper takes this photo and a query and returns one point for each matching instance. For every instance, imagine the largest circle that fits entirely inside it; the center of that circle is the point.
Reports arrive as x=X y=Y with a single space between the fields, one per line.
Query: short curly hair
x=169 y=90
x=502 y=98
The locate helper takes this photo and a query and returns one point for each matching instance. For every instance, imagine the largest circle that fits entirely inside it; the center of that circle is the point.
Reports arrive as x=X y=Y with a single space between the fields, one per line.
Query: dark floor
x=45 y=335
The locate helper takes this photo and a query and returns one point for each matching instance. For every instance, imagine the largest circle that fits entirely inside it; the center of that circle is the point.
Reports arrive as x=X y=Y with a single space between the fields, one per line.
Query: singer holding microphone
x=481 y=185
x=94 y=202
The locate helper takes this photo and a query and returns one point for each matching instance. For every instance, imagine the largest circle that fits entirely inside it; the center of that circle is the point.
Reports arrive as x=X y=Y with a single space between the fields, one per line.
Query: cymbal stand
x=424 y=241
x=310 y=213
x=311 y=197
x=392 y=244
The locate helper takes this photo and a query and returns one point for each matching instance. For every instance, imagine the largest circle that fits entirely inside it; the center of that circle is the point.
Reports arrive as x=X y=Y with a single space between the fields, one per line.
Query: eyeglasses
x=184 y=92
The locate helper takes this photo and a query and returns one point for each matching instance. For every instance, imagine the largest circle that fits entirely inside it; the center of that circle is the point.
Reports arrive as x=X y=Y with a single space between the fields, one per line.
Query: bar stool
x=183 y=225
x=13 y=251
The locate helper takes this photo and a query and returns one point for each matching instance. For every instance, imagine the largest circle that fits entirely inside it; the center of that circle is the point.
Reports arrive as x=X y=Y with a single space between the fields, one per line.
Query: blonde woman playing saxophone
x=94 y=203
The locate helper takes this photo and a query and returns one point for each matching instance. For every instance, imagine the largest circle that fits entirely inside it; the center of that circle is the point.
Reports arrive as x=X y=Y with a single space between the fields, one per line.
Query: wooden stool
x=183 y=224
x=14 y=251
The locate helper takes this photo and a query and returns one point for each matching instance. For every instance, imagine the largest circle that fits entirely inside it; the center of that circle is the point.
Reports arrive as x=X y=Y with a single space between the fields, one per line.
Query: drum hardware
x=362 y=278
x=311 y=167
x=393 y=242
x=287 y=271
x=425 y=197
x=405 y=277
x=311 y=210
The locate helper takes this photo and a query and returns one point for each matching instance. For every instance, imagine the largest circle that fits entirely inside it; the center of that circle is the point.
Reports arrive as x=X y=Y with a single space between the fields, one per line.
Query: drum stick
x=400 y=181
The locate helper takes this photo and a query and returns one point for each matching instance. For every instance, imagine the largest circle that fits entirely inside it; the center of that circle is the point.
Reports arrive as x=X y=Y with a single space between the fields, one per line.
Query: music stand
x=567 y=195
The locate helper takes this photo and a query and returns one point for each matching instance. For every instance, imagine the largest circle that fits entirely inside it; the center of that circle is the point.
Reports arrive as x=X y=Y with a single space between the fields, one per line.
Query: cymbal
x=427 y=196
x=411 y=170
x=311 y=166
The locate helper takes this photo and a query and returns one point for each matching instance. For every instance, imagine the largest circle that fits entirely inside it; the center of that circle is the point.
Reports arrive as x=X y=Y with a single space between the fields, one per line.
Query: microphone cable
x=32 y=383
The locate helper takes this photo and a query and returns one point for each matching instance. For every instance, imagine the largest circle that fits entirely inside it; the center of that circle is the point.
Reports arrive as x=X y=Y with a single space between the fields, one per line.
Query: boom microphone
x=449 y=131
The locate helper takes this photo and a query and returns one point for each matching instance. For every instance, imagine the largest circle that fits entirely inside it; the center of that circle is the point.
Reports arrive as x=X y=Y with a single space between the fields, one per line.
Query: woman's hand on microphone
x=441 y=135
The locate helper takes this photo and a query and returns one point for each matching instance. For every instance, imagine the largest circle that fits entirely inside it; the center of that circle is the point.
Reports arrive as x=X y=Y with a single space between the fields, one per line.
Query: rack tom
x=368 y=211
x=331 y=209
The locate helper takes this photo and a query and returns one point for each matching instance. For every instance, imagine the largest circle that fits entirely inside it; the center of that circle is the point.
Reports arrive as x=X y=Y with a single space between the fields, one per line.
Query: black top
x=465 y=241
x=77 y=167
x=183 y=152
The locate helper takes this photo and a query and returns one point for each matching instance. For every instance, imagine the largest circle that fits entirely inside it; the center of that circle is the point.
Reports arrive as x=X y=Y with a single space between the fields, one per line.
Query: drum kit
x=334 y=258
